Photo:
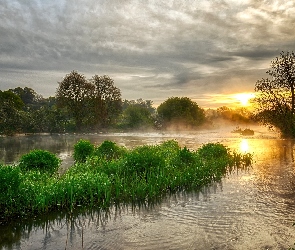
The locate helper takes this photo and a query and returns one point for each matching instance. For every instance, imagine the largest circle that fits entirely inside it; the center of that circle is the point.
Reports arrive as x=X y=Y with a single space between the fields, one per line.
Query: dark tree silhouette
x=181 y=111
x=275 y=97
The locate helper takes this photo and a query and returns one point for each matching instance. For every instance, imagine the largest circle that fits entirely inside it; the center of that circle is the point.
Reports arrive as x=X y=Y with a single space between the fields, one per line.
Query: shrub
x=144 y=159
x=41 y=160
x=186 y=156
x=82 y=149
x=10 y=180
x=212 y=151
x=109 y=150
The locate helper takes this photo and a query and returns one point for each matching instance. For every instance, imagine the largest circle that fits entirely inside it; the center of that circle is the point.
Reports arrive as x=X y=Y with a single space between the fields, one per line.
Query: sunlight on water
x=244 y=146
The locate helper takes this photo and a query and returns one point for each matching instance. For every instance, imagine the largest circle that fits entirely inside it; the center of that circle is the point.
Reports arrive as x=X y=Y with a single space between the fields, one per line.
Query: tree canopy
x=275 y=97
x=181 y=111
x=107 y=99
x=75 y=92
x=10 y=107
x=94 y=102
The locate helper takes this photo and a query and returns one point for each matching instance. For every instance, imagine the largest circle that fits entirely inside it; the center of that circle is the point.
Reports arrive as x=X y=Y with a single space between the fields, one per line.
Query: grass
x=109 y=175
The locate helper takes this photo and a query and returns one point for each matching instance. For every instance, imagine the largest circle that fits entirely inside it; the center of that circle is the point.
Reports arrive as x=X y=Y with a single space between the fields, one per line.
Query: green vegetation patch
x=109 y=174
x=82 y=149
x=40 y=160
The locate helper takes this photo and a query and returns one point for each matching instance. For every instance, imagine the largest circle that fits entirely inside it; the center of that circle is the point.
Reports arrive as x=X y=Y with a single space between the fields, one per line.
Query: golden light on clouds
x=233 y=100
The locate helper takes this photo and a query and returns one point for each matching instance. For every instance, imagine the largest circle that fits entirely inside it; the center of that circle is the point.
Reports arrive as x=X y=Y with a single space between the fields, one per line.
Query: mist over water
x=251 y=209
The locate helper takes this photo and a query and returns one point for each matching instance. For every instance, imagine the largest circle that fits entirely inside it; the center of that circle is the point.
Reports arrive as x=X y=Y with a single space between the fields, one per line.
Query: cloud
x=152 y=49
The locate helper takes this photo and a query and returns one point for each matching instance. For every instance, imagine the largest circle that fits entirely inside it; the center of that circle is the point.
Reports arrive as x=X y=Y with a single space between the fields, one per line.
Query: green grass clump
x=10 y=179
x=109 y=174
x=109 y=150
x=82 y=149
x=40 y=160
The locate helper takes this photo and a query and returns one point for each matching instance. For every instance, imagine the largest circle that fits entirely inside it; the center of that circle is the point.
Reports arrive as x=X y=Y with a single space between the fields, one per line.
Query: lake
x=251 y=209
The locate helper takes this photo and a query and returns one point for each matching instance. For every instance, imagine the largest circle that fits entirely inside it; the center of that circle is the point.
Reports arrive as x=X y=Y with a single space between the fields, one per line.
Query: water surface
x=251 y=209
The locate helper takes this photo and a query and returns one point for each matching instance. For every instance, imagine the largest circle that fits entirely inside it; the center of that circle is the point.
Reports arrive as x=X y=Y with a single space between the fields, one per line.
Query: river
x=251 y=209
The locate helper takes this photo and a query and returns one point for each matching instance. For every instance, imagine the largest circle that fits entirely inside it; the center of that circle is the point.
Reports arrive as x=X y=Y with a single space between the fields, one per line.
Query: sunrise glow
x=244 y=98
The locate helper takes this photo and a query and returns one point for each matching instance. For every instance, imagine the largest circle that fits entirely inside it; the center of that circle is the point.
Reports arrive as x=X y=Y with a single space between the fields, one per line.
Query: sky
x=207 y=50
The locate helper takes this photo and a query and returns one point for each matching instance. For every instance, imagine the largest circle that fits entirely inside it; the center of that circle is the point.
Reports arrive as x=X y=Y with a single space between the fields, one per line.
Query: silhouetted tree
x=239 y=115
x=275 y=97
x=181 y=111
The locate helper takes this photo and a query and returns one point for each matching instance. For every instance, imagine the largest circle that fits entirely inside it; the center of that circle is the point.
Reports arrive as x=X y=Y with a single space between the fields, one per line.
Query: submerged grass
x=113 y=175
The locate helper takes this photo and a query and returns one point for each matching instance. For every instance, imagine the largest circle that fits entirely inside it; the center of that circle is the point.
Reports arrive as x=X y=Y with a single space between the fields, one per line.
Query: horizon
x=208 y=51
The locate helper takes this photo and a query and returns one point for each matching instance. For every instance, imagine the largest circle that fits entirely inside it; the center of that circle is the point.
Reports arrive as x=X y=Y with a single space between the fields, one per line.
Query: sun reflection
x=244 y=146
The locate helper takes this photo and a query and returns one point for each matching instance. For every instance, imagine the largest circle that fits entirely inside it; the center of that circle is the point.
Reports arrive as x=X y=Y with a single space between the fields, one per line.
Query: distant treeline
x=82 y=105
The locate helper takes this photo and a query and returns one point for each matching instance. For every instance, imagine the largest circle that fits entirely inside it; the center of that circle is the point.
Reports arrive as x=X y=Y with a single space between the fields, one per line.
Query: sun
x=244 y=98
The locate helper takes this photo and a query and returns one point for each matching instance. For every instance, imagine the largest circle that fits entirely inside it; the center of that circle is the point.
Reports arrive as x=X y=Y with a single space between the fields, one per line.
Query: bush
x=41 y=160
x=144 y=159
x=109 y=150
x=82 y=149
x=212 y=151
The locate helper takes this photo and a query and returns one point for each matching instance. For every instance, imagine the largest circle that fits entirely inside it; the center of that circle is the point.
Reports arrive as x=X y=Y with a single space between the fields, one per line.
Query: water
x=252 y=209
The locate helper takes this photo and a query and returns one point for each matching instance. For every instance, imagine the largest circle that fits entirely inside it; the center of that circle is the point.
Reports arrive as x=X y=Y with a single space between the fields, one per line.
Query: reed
x=114 y=175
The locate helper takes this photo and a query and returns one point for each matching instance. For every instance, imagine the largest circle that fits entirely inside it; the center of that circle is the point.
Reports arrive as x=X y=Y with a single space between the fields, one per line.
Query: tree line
x=82 y=105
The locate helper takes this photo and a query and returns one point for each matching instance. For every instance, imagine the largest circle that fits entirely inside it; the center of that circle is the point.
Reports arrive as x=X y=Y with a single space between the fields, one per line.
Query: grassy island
x=108 y=174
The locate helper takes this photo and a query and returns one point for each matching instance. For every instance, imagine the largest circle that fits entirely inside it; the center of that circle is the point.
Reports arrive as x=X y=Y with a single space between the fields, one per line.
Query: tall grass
x=112 y=175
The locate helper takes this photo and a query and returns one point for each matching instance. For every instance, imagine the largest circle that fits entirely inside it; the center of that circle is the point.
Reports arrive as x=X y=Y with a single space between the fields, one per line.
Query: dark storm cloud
x=152 y=49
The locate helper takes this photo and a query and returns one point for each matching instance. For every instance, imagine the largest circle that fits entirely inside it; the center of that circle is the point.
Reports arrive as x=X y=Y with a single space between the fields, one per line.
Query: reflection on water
x=253 y=209
x=244 y=146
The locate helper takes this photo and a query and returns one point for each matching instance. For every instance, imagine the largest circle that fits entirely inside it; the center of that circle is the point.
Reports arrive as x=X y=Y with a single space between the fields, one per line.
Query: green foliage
x=10 y=113
x=109 y=150
x=40 y=160
x=137 y=175
x=147 y=104
x=142 y=160
x=82 y=149
x=181 y=112
x=107 y=100
x=95 y=102
x=137 y=117
x=27 y=95
x=212 y=151
x=10 y=180
x=76 y=94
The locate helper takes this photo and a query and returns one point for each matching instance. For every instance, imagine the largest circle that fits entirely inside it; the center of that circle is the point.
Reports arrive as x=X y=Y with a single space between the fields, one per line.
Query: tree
x=137 y=117
x=107 y=100
x=238 y=115
x=30 y=98
x=275 y=97
x=76 y=94
x=181 y=112
x=27 y=95
x=148 y=104
x=10 y=112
